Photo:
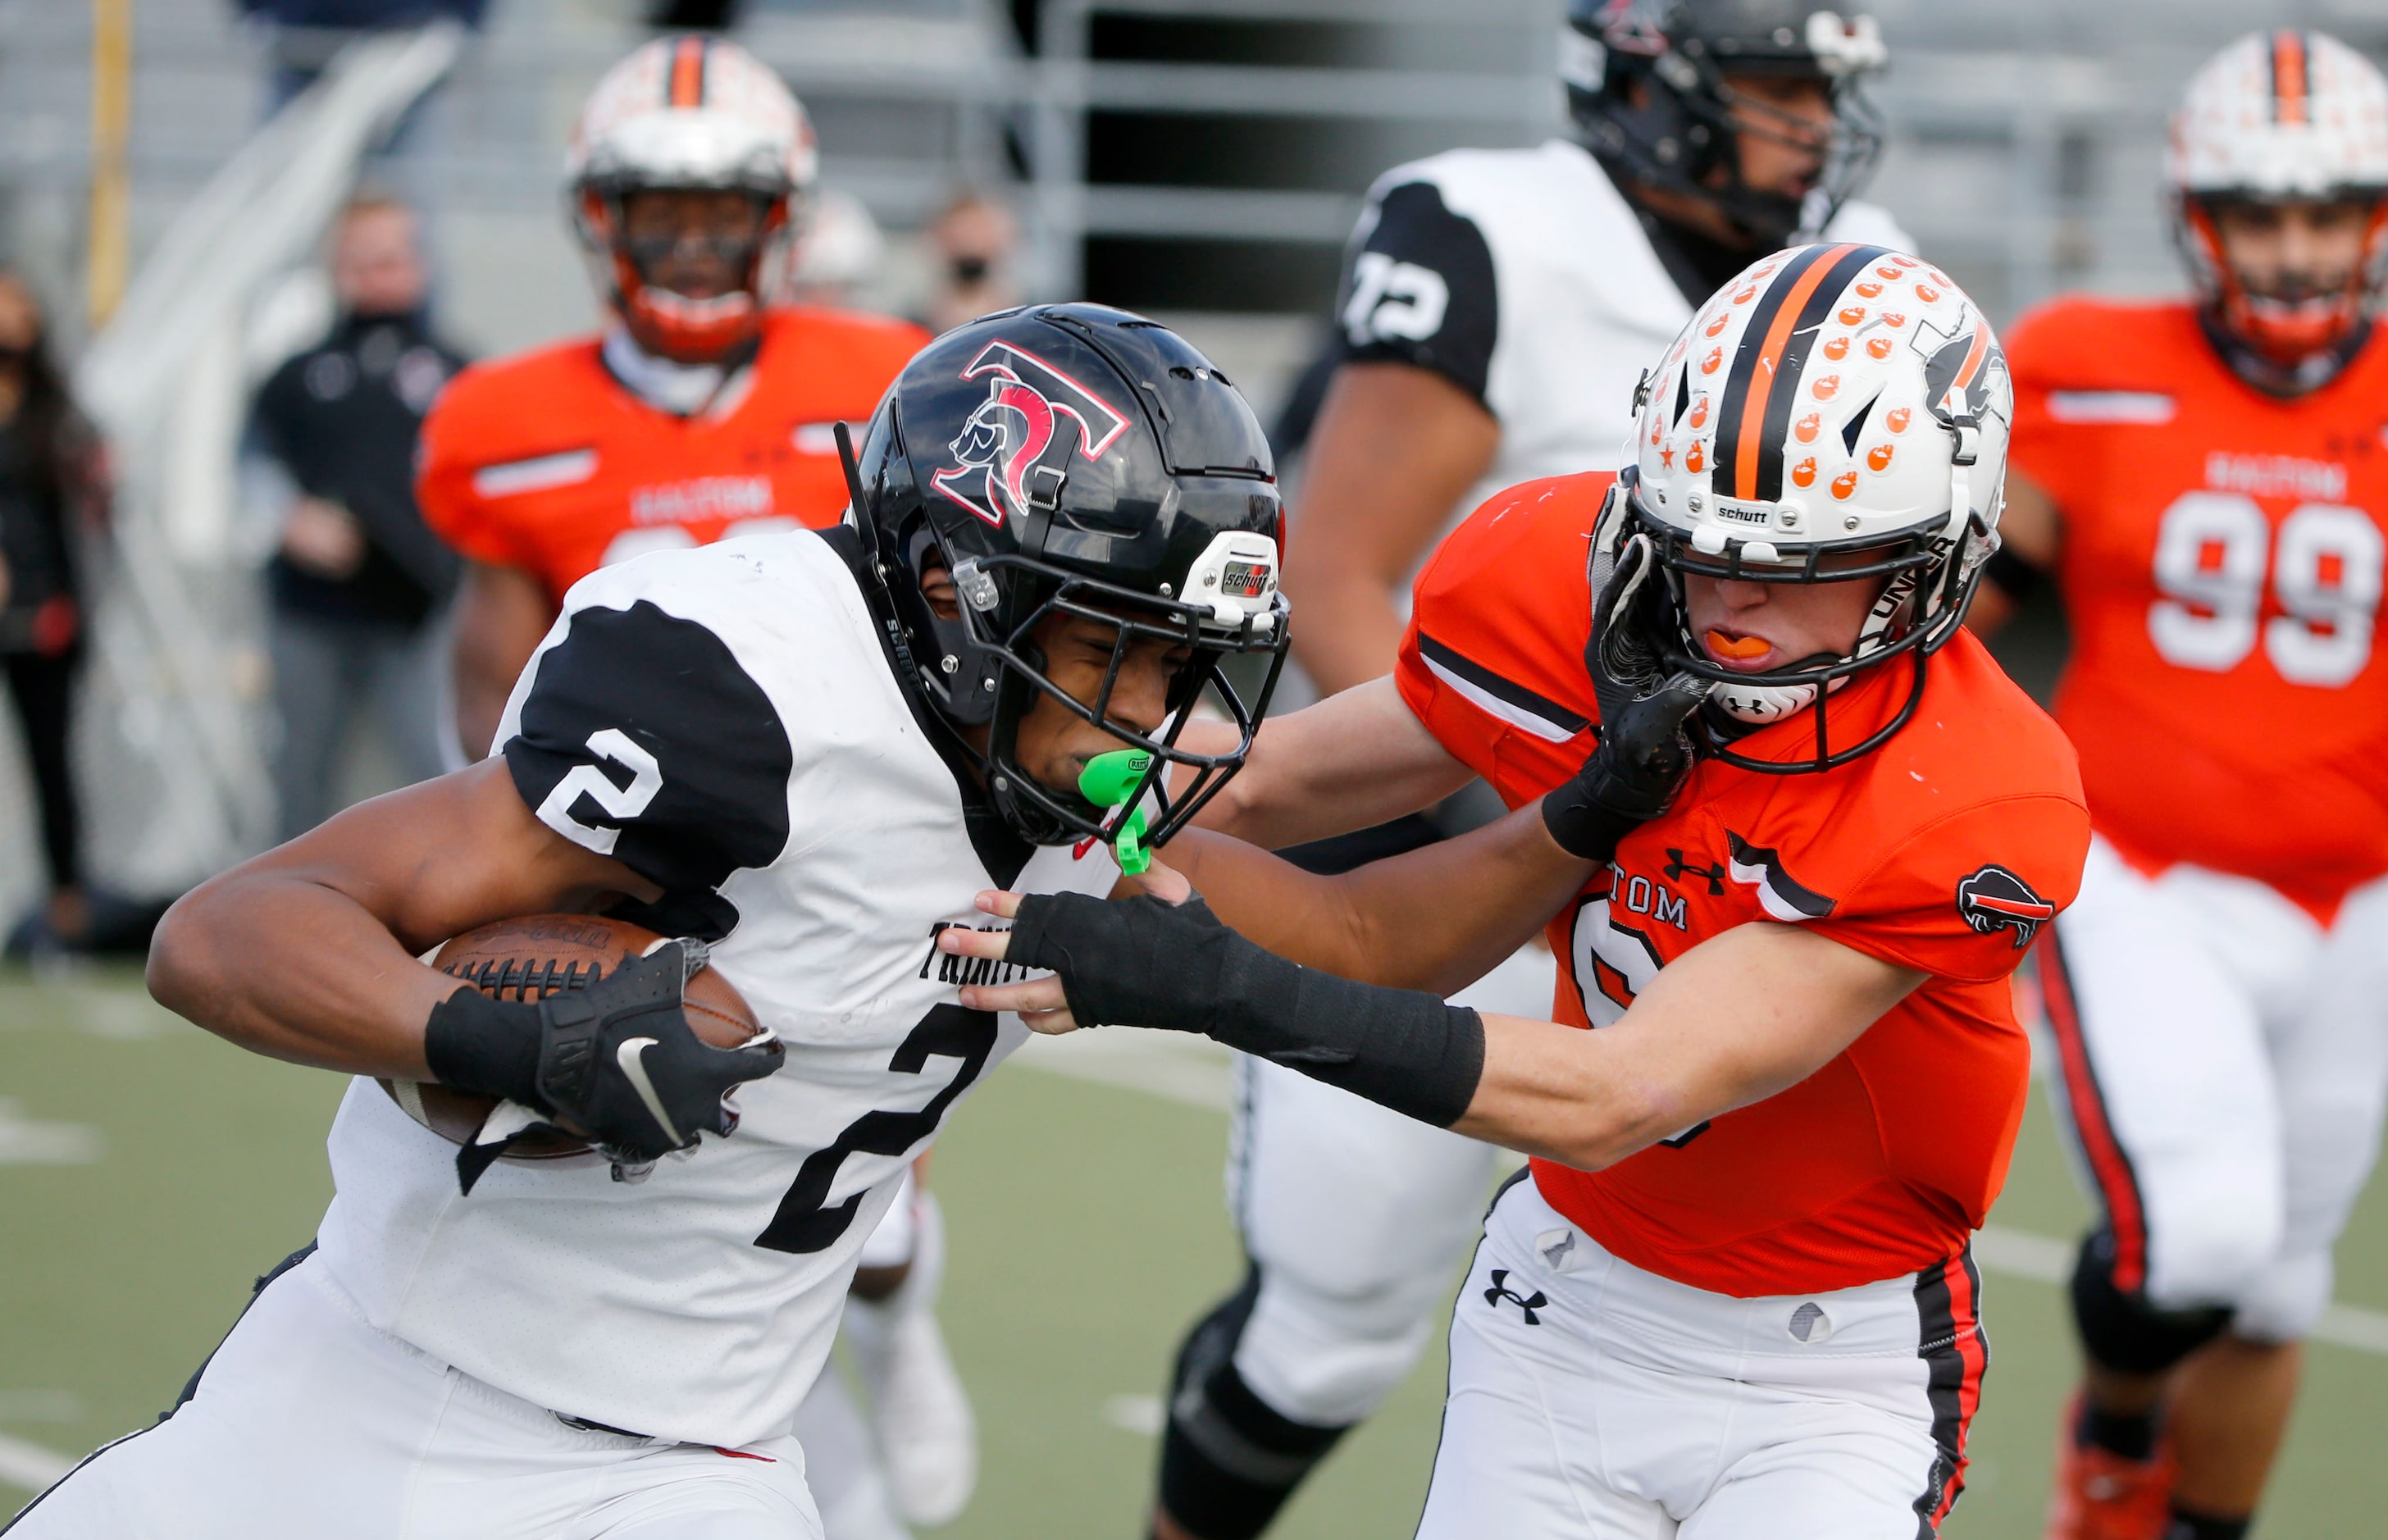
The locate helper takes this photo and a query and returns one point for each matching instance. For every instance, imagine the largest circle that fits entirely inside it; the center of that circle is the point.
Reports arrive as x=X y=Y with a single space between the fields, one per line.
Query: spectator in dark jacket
x=53 y=496
x=359 y=584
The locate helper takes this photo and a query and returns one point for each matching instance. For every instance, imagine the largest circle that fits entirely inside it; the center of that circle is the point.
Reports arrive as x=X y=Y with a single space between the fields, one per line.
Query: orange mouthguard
x=1737 y=646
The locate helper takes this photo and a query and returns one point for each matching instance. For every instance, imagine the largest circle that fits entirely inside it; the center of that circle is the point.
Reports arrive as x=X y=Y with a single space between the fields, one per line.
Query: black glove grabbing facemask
x=1644 y=753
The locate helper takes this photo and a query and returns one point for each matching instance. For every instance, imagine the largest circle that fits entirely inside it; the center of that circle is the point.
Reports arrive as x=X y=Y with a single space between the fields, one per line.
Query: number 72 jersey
x=2221 y=572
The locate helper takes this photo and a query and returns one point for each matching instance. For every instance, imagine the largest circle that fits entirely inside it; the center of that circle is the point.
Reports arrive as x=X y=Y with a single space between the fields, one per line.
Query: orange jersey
x=546 y=462
x=2221 y=570
x=1943 y=851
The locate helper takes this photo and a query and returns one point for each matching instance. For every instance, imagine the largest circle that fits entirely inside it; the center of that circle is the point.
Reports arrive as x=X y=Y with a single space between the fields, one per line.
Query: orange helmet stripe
x=2289 y=83
x=1751 y=440
x=687 y=83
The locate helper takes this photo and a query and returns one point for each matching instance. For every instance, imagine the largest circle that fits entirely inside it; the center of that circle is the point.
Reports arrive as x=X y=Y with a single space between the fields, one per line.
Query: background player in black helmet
x=1497 y=310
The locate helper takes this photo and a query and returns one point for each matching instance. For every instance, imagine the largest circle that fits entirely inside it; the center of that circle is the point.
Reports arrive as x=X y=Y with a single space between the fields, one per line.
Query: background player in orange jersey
x=1736 y=1297
x=704 y=410
x=2206 y=480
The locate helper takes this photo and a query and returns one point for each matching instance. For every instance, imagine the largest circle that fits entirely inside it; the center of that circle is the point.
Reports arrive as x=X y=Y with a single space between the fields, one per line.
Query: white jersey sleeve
x=638 y=735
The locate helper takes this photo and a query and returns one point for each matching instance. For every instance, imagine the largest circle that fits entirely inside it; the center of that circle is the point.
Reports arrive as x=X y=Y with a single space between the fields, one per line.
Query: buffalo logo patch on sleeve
x=1994 y=898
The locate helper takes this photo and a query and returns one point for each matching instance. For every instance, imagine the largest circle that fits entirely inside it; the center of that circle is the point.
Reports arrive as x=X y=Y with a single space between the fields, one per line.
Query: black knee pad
x=2122 y=1332
x=1228 y=1461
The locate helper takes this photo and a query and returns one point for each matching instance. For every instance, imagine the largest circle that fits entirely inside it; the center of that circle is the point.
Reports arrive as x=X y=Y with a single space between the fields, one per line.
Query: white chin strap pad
x=1759 y=704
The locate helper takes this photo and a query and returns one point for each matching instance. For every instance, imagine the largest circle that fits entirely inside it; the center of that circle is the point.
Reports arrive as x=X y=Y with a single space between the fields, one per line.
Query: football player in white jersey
x=809 y=751
x=1496 y=311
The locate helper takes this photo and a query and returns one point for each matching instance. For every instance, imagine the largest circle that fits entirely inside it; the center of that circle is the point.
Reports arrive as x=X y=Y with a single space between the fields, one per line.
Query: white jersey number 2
x=2326 y=566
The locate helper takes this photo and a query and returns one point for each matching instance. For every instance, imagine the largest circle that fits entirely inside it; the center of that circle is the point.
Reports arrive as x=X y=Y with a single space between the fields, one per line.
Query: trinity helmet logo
x=1995 y=898
x=1015 y=448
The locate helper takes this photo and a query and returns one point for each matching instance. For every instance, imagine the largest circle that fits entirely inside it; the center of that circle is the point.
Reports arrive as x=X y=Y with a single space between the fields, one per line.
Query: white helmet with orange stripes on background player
x=1837 y=413
x=715 y=131
x=2286 y=128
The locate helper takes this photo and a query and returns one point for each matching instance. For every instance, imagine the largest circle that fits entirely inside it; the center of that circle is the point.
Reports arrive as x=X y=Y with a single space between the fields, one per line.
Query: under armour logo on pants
x=1500 y=1290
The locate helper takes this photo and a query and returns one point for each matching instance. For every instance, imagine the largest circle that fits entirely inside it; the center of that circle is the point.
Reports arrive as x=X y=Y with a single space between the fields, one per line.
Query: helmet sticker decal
x=1755 y=416
x=1007 y=438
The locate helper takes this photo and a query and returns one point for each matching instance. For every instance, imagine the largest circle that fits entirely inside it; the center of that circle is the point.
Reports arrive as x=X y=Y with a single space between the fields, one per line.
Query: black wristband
x=478 y=1044
x=1144 y=963
x=1585 y=829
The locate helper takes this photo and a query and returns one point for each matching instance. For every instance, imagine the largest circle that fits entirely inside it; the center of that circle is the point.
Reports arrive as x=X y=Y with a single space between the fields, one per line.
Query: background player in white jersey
x=2202 y=477
x=1498 y=307
x=809 y=750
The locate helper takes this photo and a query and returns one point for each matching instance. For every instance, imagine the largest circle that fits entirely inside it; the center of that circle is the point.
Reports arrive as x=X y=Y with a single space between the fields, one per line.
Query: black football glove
x=1644 y=753
x=615 y=1061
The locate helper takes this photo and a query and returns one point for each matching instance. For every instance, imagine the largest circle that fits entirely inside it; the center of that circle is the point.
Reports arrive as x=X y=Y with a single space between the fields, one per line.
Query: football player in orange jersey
x=704 y=410
x=2206 y=481
x=1736 y=1296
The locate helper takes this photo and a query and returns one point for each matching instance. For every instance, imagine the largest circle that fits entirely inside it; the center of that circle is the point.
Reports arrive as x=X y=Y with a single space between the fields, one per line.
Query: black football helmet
x=1676 y=55
x=1075 y=459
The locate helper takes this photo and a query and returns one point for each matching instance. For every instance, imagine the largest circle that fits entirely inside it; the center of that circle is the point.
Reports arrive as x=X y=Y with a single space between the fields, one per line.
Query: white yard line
x=29 y=1465
x=24 y=1141
x=1198 y=1072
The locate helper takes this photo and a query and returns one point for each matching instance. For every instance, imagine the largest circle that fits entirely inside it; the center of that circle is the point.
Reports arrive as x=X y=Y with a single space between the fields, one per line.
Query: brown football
x=528 y=959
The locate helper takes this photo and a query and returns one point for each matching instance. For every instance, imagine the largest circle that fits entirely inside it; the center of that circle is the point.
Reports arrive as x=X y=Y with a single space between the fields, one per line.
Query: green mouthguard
x=1109 y=780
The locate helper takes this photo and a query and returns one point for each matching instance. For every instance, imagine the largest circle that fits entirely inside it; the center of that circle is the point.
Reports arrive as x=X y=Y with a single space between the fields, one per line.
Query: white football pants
x=1591 y=1400
x=1356 y=1218
x=308 y=1423
x=2223 y=1063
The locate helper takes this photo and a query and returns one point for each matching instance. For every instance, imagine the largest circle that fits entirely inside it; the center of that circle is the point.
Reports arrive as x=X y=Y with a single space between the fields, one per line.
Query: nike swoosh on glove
x=619 y=1060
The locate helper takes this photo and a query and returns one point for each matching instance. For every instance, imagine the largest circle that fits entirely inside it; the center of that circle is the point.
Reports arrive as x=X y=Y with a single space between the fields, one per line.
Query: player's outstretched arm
x=1438 y=918
x=1732 y=1022
x=1350 y=761
x=308 y=952
x=501 y=614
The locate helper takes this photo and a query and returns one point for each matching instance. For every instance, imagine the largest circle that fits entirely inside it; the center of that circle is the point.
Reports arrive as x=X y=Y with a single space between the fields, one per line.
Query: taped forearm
x=1147 y=963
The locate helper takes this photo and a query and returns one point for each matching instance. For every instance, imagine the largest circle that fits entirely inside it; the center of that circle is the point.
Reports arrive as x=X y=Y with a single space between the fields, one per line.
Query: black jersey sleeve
x=1420 y=289
x=643 y=738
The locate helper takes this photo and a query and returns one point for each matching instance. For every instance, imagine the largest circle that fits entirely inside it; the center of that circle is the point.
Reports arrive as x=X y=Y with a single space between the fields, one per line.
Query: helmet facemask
x=1027 y=593
x=2294 y=336
x=1685 y=135
x=691 y=329
x=1014 y=460
x=1926 y=580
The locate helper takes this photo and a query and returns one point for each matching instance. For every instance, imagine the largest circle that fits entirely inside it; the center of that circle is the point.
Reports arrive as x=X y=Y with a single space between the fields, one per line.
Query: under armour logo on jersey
x=1678 y=868
x=1003 y=448
x=1526 y=1303
x=1995 y=898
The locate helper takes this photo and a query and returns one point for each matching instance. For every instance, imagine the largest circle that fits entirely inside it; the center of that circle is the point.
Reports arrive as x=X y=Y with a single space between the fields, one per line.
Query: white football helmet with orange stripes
x=2286 y=116
x=1836 y=413
x=691 y=113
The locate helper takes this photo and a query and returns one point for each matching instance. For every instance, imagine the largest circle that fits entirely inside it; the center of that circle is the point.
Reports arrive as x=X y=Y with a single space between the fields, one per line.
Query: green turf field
x=148 y=1172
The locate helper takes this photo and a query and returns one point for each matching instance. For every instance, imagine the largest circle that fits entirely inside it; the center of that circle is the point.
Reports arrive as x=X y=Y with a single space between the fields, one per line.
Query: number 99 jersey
x=2221 y=571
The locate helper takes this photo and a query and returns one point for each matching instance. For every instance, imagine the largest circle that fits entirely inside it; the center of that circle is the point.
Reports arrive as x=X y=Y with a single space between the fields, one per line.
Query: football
x=528 y=959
